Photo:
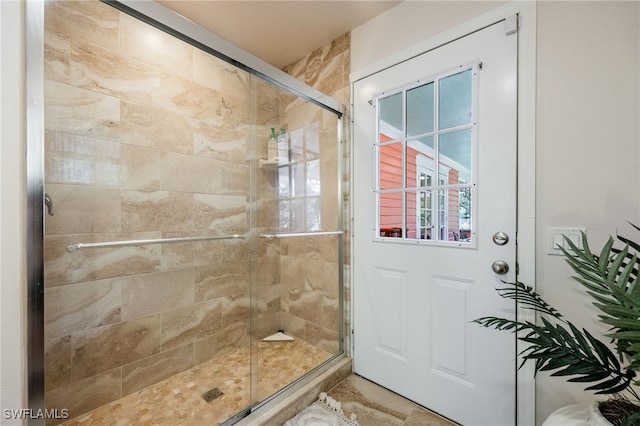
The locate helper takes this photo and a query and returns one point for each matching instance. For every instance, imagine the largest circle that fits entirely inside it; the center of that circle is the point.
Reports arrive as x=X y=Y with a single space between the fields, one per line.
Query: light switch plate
x=556 y=237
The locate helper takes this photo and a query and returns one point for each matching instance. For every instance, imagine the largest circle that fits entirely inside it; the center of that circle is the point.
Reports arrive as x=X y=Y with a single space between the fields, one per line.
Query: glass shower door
x=146 y=260
x=297 y=274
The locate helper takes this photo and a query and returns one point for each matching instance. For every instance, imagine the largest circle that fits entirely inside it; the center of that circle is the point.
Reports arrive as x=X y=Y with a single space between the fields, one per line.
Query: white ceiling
x=279 y=32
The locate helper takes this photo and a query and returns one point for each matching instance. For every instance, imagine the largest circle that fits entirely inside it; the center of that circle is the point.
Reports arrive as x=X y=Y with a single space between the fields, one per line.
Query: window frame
x=400 y=136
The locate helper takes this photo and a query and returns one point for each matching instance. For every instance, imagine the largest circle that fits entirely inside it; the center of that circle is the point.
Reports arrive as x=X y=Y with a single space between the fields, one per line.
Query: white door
x=434 y=180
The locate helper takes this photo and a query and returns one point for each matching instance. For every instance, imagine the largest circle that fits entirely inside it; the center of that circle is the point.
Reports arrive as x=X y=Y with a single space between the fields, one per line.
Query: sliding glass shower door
x=298 y=245
x=147 y=173
x=189 y=274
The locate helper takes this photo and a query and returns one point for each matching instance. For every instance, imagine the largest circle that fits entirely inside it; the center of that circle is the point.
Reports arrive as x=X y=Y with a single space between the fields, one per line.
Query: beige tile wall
x=146 y=137
x=311 y=302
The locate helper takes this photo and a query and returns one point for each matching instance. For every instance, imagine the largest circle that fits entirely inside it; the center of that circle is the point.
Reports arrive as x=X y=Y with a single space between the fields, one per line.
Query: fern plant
x=611 y=278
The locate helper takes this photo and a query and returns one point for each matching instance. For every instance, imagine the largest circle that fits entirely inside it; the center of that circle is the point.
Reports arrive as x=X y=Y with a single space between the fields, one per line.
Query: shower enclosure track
x=74 y=247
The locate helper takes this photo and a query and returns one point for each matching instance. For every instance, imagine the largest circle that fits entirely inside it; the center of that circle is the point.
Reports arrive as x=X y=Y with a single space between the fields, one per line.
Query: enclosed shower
x=189 y=274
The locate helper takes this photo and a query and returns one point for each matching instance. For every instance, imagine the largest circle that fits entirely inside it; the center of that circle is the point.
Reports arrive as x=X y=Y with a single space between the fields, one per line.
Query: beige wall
x=587 y=131
x=12 y=211
x=587 y=147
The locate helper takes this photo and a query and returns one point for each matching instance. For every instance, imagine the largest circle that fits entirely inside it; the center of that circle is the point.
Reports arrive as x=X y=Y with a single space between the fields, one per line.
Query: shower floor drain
x=212 y=394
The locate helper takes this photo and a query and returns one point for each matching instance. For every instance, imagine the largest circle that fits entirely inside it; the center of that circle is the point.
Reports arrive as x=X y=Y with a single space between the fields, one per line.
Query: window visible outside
x=425 y=159
x=299 y=182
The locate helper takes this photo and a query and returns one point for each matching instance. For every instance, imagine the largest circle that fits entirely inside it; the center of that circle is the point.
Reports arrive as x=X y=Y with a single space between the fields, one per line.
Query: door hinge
x=511 y=24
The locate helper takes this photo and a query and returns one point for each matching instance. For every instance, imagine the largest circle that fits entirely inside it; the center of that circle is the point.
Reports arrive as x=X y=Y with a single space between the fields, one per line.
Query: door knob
x=500 y=267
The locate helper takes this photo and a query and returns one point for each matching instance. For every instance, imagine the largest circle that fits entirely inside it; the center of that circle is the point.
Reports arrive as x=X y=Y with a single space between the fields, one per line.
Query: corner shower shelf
x=273 y=164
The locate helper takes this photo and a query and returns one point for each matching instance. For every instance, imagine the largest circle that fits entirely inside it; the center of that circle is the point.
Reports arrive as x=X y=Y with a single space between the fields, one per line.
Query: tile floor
x=376 y=406
x=178 y=400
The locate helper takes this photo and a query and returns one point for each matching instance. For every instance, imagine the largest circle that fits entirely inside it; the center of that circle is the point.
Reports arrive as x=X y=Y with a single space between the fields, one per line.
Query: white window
x=299 y=181
x=426 y=130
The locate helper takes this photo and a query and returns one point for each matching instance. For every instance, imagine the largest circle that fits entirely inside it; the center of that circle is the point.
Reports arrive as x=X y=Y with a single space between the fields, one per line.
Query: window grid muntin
x=404 y=138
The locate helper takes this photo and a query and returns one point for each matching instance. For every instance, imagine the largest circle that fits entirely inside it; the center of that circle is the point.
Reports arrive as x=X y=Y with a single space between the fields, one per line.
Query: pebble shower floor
x=179 y=399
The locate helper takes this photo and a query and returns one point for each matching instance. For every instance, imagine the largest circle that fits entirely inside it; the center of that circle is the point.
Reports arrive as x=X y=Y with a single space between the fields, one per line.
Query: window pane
x=390 y=117
x=296 y=145
x=313 y=140
x=285 y=214
x=464 y=215
x=298 y=215
x=313 y=177
x=283 y=183
x=455 y=153
x=298 y=181
x=454 y=106
x=313 y=214
x=390 y=214
x=419 y=216
x=420 y=109
x=420 y=164
x=390 y=166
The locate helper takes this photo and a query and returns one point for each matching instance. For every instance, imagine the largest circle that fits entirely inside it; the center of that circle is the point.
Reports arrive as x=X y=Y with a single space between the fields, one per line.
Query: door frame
x=526 y=140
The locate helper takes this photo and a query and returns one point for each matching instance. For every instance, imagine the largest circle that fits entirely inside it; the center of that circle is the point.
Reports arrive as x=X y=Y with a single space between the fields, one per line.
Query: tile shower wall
x=145 y=137
x=310 y=264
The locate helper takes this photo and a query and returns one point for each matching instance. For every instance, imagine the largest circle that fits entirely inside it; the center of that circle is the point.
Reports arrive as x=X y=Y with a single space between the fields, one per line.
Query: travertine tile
x=208 y=70
x=191 y=254
x=422 y=417
x=103 y=348
x=186 y=98
x=235 y=178
x=229 y=339
x=155 y=47
x=58 y=353
x=139 y=168
x=110 y=73
x=236 y=249
x=155 y=128
x=178 y=400
x=228 y=279
x=294 y=325
x=372 y=404
x=204 y=174
x=87 y=20
x=86 y=395
x=377 y=406
x=83 y=209
x=57 y=53
x=62 y=267
x=226 y=214
x=81 y=306
x=157 y=210
x=323 y=338
x=74 y=110
x=153 y=293
x=268 y=324
x=236 y=310
x=151 y=370
x=196 y=321
x=221 y=141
